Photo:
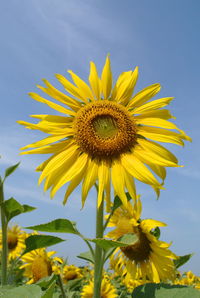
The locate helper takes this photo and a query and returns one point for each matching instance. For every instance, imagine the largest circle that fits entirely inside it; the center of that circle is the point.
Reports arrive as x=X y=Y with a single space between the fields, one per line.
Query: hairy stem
x=98 y=267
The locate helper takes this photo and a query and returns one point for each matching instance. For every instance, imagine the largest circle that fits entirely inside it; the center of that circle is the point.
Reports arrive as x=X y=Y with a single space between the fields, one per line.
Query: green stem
x=4 y=238
x=98 y=265
x=60 y=283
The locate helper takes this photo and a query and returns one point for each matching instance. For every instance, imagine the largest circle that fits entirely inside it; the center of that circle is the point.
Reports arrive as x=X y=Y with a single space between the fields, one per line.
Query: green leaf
x=86 y=256
x=49 y=292
x=28 y=208
x=57 y=226
x=13 y=208
x=25 y=291
x=182 y=260
x=126 y=240
x=40 y=241
x=10 y=170
x=45 y=282
x=165 y=291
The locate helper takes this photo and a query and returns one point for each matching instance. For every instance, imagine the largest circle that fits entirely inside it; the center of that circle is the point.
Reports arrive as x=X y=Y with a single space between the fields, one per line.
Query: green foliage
x=57 y=226
x=10 y=170
x=40 y=241
x=13 y=208
x=152 y=290
x=25 y=291
x=117 y=202
x=86 y=256
x=126 y=240
x=156 y=232
x=182 y=260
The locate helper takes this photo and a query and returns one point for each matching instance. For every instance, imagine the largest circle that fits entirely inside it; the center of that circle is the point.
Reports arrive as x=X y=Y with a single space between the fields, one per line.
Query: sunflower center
x=104 y=129
x=12 y=241
x=70 y=275
x=139 y=251
x=41 y=267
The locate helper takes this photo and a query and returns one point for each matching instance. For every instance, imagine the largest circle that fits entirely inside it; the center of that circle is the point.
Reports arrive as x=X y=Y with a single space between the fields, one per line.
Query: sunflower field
x=102 y=135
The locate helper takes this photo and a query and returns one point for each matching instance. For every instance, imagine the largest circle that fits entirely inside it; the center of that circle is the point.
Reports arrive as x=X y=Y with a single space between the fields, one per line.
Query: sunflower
x=188 y=279
x=107 y=289
x=148 y=258
x=38 y=264
x=105 y=134
x=71 y=272
x=15 y=240
x=131 y=283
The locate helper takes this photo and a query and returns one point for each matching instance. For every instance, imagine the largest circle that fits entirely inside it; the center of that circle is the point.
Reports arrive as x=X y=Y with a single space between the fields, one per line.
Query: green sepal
x=86 y=256
x=39 y=241
x=156 y=232
x=57 y=226
x=13 y=208
x=182 y=260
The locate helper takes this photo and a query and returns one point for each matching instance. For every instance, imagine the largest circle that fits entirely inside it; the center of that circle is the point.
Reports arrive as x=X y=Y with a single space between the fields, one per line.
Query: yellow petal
x=130 y=184
x=138 y=170
x=73 y=184
x=161 y=135
x=48 y=149
x=159 y=170
x=148 y=224
x=43 y=142
x=52 y=104
x=157 y=122
x=144 y=95
x=58 y=95
x=163 y=114
x=124 y=76
x=94 y=81
x=150 y=157
x=157 y=149
x=155 y=104
x=118 y=181
x=71 y=173
x=106 y=79
x=59 y=160
x=89 y=179
x=125 y=90
x=85 y=89
x=103 y=175
x=71 y=88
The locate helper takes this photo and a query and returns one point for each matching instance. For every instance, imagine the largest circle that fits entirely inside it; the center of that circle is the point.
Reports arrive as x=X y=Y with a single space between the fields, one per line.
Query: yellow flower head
x=188 y=279
x=107 y=289
x=105 y=134
x=71 y=272
x=131 y=283
x=15 y=240
x=148 y=258
x=38 y=264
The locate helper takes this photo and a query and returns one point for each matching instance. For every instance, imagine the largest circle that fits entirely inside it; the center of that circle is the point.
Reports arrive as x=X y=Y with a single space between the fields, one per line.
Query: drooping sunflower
x=148 y=258
x=71 y=272
x=39 y=263
x=15 y=240
x=106 y=134
x=107 y=289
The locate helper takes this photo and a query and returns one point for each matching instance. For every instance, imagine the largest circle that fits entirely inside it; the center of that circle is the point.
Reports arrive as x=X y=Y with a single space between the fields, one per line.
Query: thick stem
x=4 y=238
x=98 y=266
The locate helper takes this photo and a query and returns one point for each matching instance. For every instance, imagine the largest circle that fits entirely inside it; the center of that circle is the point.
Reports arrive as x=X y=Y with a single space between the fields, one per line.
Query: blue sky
x=41 y=38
